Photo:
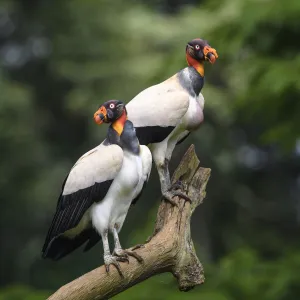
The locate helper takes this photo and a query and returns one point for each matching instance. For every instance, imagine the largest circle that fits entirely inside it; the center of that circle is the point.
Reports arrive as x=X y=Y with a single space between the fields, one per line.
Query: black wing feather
x=152 y=134
x=70 y=210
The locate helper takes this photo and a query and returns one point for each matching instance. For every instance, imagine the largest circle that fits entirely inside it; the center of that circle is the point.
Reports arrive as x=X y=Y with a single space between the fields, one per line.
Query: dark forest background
x=61 y=59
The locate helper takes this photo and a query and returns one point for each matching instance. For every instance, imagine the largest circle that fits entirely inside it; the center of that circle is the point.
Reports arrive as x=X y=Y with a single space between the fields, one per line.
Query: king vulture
x=99 y=190
x=164 y=114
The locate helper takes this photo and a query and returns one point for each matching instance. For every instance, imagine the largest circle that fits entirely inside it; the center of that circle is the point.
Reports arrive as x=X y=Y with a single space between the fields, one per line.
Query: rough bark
x=170 y=249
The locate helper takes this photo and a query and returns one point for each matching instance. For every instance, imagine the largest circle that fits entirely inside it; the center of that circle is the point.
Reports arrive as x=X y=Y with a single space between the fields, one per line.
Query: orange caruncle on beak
x=100 y=115
x=210 y=54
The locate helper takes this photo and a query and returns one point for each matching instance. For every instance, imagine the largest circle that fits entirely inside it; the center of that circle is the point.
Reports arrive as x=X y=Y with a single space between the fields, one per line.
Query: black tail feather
x=94 y=239
x=62 y=245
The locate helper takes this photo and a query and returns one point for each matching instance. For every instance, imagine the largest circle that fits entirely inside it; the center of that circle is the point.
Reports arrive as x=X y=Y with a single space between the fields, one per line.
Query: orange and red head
x=198 y=51
x=112 y=111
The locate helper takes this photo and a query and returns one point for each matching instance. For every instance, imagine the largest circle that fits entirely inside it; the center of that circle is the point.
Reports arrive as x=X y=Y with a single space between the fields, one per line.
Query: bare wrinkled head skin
x=200 y=50
x=109 y=112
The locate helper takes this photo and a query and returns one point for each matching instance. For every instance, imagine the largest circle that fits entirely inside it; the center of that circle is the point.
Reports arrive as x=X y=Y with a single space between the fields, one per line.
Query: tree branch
x=170 y=249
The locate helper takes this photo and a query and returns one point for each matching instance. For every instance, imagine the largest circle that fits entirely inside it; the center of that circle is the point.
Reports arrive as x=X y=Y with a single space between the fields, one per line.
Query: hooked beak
x=100 y=115
x=210 y=54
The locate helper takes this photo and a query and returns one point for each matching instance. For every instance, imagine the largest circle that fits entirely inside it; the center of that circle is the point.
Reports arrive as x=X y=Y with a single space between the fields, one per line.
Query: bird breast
x=194 y=115
x=114 y=207
x=130 y=174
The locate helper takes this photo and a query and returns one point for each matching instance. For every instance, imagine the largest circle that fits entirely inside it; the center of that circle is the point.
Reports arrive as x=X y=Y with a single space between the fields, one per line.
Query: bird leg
x=121 y=254
x=169 y=191
x=178 y=185
x=165 y=182
x=108 y=258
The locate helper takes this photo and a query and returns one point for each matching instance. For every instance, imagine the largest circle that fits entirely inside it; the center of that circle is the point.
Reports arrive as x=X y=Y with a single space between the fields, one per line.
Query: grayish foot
x=138 y=246
x=178 y=185
x=122 y=255
x=111 y=260
x=169 y=195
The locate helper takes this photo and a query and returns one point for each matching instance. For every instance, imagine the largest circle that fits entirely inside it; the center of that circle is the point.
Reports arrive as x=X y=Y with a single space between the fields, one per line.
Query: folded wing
x=157 y=110
x=88 y=181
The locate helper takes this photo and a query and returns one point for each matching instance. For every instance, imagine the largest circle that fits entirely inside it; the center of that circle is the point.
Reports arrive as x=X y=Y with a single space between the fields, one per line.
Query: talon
x=183 y=195
x=125 y=253
x=169 y=195
x=120 y=256
x=111 y=260
x=117 y=265
x=122 y=259
x=138 y=246
x=135 y=255
x=178 y=185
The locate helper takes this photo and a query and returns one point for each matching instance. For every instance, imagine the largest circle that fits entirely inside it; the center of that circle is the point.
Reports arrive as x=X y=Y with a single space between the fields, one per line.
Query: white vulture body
x=97 y=194
x=165 y=114
x=128 y=183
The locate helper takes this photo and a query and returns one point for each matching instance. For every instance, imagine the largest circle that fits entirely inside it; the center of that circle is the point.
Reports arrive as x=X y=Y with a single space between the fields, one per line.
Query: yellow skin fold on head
x=118 y=125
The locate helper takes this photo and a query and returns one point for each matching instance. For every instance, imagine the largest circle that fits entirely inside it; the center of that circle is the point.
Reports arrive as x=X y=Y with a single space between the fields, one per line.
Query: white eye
x=111 y=105
x=197 y=47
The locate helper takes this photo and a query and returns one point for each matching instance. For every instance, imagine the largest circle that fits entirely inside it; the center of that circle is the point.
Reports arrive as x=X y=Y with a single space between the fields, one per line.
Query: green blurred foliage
x=240 y=275
x=19 y=292
x=60 y=59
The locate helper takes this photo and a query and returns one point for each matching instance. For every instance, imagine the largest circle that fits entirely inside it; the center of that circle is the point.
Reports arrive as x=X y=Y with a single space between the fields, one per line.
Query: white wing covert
x=161 y=105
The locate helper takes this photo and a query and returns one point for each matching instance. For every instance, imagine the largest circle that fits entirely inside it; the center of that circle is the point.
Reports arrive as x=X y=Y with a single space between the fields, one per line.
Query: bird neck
x=192 y=62
x=129 y=140
x=118 y=125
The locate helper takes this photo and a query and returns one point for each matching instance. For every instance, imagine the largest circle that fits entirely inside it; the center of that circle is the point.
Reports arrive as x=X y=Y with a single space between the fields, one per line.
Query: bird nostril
x=101 y=116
